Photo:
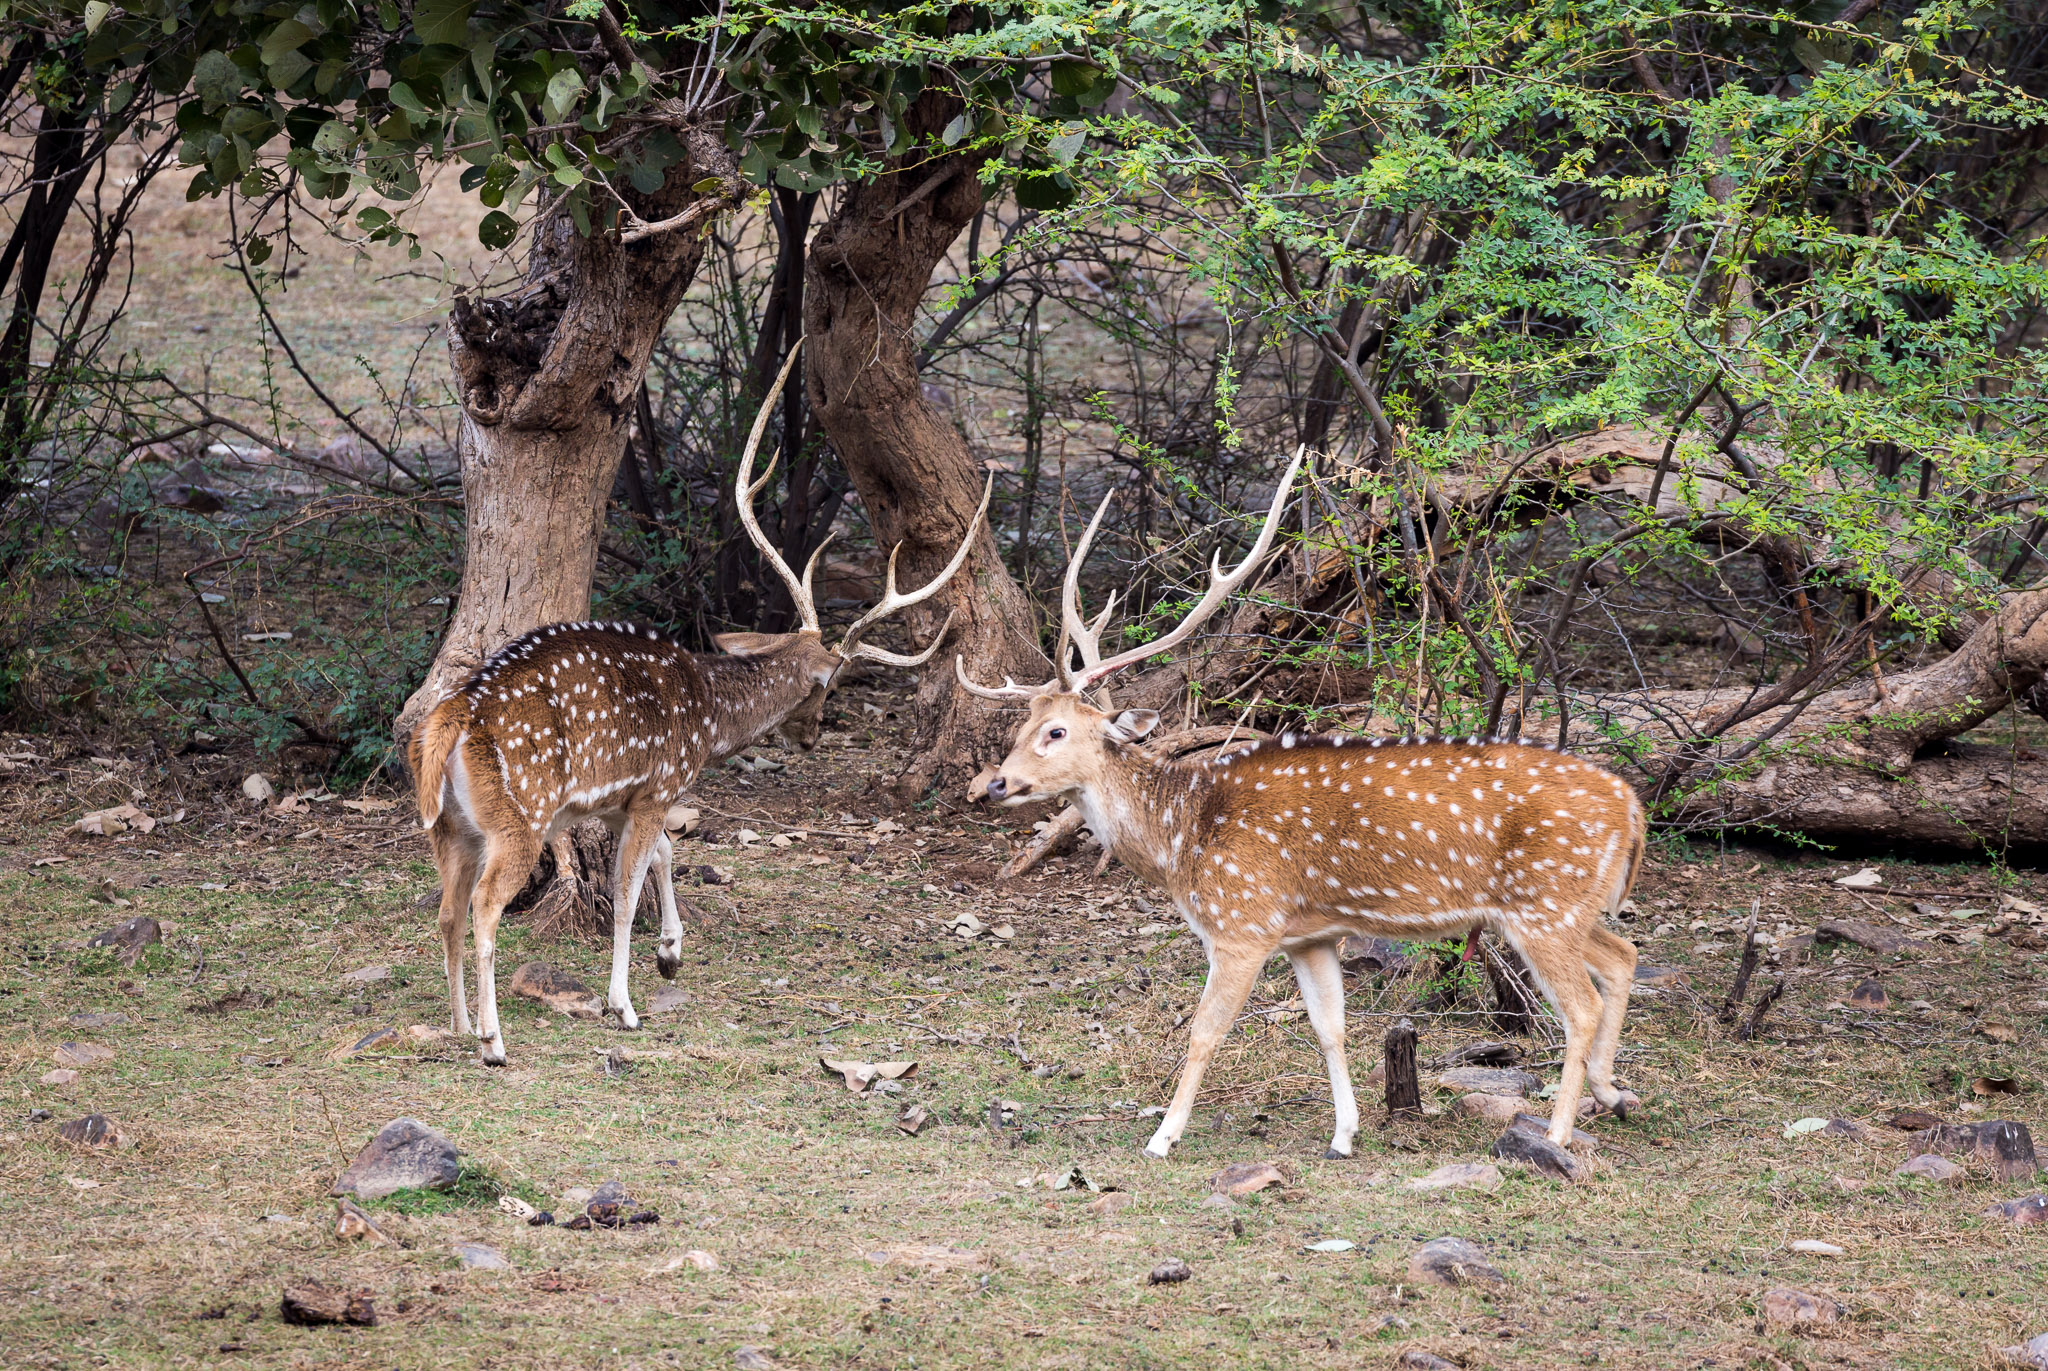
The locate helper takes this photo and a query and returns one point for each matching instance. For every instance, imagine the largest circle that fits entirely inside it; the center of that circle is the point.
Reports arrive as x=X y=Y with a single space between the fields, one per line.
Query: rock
x=698 y=1259
x=1500 y=1109
x=1814 y=1247
x=1866 y=935
x=558 y=990
x=82 y=1054
x=1244 y=1178
x=94 y=1130
x=2007 y=1146
x=130 y=938
x=668 y=999
x=351 y=1224
x=1488 y=1080
x=1217 y=1200
x=257 y=787
x=376 y=1040
x=1929 y=1167
x=1794 y=1308
x=1172 y=1271
x=405 y=1155
x=2030 y=1210
x=99 y=1020
x=2032 y=1357
x=1370 y=956
x=1660 y=977
x=1483 y=1054
x=1415 y=1359
x=1846 y=1128
x=1452 y=1261
x=750 y=1358
x=363 y=975
x=1870 y=995
x=313 y=1305
x=480 y=1256
x=1532 y=1148
x=63 y=1075
x=1582 y=1141
x=1459 y=1175
x=428 y=1038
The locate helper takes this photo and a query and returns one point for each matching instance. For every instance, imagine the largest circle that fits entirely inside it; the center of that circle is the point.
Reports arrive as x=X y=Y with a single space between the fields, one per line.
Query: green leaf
x=1065 y=148
x=960 y=126
x=563 y=88
x=568 y=178
x=443 y=21
x=402 y=96
x=257 y=250
x=1074 y=78
x=709 y=185
x=372 y=219
x=96 y=12
x=497 y=230
x=215 y=78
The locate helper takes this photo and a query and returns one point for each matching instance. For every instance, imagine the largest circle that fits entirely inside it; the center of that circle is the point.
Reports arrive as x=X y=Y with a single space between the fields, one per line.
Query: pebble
x=1459 y=1175
x=1453 y=1262
x=1793 y=1307
x=1172 y=1271
x=1929 y=1167
x=1814 y=1247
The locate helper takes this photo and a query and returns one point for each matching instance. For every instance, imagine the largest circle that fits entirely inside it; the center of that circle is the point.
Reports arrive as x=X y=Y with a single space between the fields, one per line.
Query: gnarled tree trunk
x=869 y=267
x=547 y=375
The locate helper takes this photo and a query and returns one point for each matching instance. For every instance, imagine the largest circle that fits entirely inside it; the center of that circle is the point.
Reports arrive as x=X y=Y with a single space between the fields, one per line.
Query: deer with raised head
x=1288 y=845
x=614 y=722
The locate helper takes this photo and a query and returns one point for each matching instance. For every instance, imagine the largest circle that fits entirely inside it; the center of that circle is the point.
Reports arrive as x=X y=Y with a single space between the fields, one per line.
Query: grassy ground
x=844 y=1242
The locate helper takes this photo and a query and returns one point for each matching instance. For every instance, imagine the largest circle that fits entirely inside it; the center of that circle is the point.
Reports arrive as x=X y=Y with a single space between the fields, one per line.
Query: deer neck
x=1139 y=808
x=746 y=697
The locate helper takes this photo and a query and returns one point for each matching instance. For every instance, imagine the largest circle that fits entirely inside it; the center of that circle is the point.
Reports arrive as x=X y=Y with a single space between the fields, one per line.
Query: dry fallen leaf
x=913 y=1118
x=1866 y=879
x=682 y=819
x=1999 y=1032
x=257 y=787
x=104 y=823
x=860 y=1075
x=367 y=806
x=1994 y=1085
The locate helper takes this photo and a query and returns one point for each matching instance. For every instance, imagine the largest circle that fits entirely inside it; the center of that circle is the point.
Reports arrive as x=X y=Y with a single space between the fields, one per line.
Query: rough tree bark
x=548 y=374
x=869 y=267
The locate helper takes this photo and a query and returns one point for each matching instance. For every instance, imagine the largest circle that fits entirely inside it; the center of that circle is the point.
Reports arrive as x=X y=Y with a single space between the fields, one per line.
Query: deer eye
x=1054 y=735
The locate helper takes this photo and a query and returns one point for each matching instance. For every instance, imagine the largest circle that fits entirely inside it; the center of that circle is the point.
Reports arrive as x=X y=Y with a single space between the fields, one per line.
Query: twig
x=1738 y=991
x=1756 y=1016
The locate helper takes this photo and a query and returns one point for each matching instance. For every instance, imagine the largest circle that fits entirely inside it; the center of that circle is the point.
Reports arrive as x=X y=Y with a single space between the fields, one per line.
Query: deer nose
x=997 y=788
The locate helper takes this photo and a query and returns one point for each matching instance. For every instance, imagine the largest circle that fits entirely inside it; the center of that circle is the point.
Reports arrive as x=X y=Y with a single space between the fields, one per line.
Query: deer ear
x=1131 y=725
x=749 y=644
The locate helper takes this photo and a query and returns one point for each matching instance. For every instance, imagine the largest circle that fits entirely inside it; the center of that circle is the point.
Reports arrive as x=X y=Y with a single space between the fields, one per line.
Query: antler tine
x=871 y=653
x=1074 y=625
x=1008 y=690
x=892 y=600
x=1220 y=588
x=745 y=487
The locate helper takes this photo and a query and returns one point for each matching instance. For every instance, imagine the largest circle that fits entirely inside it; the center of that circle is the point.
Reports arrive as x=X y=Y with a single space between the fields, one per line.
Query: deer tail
x=432 y=741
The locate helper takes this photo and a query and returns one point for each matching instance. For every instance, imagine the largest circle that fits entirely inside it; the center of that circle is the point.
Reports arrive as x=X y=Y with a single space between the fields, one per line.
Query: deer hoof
x=1331 y=1154
x=493 y=1054
x=1157 y=1150
x=667 y=963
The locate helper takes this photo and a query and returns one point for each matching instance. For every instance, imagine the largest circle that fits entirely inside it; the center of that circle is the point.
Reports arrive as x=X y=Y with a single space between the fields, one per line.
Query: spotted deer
x=1288 y=845
x=614 y=722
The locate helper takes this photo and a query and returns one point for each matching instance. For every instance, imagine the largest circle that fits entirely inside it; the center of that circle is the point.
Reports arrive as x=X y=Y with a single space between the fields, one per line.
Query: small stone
x=2032 y=1357
x=558 y=990
x=351 y=1224
x=1488 y=1081
x=1533 y=1148
x=428 y=1038
x=1912 y=1121
x=1929 y=1167
x=405 y=1155
x=1415 y=1359
x=1792 y=1308
x=82 y=1054
x=1452 y=1261
x=668 y=999
x=94 y=1130
x=313 y=1305
x=257 y=787
x=1846 y=1128
x=1172 y=1271
x=376 y=1040
x=750 y=1358
x=2006 y=1145
x=1500 y=1109
x=700 y=1260
x=1245 y=1178
x=1814 y=1247
x=1870 y=995
x=363 y=975
x=1218 y=1200
x=2027 y=1211
x=1660 y=977
x=99 y=1021
x=1458 y=1175
x=62 y=1075
x=130 y=938
x=480 y=1256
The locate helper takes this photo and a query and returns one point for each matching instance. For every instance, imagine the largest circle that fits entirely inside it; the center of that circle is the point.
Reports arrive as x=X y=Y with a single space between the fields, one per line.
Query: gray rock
x=558 y=990
x=1452 y=1261
x=130 y=938
x=480 y=1256
x=1532 y=1148
x=2007 y=1146
x=99 y=1021
x=1929 y=1167
x=1415 y=1359
x=1170 y=1272
x=1488 y=1080
x=2031 y=1209
x=1792 y=1308
x=405 y=1155
x=363 y=975
x=2031 y=1357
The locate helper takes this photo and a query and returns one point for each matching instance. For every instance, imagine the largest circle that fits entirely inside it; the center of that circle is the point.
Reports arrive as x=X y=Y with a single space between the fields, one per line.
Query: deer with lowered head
x=1288 y=845
x=614 y=722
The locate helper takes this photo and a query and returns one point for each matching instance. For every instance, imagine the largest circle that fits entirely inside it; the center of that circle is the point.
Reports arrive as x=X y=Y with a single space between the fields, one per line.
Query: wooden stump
x=1514 y=989
x=1404 y=1090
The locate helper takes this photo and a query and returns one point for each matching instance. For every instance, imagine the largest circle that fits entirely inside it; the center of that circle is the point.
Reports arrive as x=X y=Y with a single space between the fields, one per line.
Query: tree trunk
x=548 y=375
x=869 y=268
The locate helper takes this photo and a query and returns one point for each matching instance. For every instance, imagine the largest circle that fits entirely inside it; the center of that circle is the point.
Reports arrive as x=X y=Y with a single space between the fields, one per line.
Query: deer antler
x=894 y=600
x=745 y=488
x=1074 y=625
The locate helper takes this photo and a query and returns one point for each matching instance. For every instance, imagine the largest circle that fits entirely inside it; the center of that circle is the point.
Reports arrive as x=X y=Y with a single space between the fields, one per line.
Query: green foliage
x=475 y=1188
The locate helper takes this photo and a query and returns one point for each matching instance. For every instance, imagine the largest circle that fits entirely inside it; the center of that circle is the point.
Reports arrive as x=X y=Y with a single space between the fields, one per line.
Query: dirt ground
x=841 y=1239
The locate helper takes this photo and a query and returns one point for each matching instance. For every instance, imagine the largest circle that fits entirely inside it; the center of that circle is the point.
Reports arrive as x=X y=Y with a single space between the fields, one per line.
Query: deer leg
x=1231 y=975
x=636 y=848
x=668 y=953
x=1612 y=960
x=504 y=872
x=456 y=858
x=1321 y=978
x=1560 y=968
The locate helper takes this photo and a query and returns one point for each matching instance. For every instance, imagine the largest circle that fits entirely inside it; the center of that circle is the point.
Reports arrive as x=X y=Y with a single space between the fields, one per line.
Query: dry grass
x=727 y=1126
